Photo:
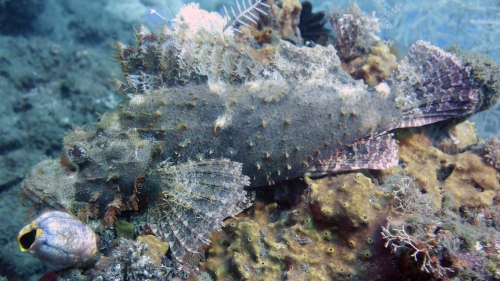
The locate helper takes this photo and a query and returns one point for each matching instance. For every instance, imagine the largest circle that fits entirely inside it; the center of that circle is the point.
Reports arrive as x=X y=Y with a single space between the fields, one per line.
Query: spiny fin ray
x=197 y=197
x=433 y=87
x=378 y=152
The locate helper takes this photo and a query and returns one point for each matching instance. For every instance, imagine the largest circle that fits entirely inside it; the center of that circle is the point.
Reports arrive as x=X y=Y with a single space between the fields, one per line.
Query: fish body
x=204 y=117
x=277 y=130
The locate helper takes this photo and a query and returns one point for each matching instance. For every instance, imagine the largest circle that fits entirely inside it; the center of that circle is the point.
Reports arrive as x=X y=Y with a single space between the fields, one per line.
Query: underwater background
x=56 y=70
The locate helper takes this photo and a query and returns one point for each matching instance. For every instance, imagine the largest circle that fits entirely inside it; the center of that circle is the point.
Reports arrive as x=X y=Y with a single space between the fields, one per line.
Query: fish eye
x=77 y=154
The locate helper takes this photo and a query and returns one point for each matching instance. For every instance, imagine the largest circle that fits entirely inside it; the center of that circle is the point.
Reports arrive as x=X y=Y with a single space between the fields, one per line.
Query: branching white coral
x=409 y=199
x=399 y=238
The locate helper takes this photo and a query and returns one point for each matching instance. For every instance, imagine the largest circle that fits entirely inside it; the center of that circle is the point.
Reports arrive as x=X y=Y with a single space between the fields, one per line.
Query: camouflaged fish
x=203 y=118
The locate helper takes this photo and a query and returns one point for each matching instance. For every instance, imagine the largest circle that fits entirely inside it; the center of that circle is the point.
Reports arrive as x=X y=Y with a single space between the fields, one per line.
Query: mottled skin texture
x=276 y=130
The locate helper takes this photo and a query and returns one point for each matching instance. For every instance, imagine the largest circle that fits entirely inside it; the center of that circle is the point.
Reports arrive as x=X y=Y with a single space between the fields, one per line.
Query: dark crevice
x=444 y=172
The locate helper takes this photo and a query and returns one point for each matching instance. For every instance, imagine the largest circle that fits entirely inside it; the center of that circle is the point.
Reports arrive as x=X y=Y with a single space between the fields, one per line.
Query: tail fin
x=432 y=86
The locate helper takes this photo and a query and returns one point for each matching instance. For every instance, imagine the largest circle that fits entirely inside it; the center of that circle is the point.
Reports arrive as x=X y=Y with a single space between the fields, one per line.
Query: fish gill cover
x=209 y=112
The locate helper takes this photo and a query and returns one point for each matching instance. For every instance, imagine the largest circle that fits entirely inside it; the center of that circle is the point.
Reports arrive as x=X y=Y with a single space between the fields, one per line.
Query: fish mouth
x=50 y=184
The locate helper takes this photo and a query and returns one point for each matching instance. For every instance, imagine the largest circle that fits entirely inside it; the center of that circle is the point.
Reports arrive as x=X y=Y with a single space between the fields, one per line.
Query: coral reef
x=355 y=222
x=363 y=54
x=346 y=205
x=464 y=175
x=333 y=222
x=311 y=25
x=375 y=67
x=491 y=150
x=133 y=260
x=205 y=116
x=448 y=213
x=125 y=229
x=288 y=20
x=444 y=241
x=280 y=21
x=460 y=138
x=287 y=14
x=156 y=248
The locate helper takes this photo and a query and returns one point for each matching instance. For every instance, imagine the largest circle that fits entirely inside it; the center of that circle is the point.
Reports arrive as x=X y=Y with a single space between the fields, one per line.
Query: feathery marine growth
x=244 y=15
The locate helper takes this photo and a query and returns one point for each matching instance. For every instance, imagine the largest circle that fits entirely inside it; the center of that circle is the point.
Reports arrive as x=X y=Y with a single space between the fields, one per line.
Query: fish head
x=100 y=170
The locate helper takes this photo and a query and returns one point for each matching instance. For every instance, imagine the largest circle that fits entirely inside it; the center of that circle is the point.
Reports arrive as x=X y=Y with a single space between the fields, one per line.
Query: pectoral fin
x=196 y=198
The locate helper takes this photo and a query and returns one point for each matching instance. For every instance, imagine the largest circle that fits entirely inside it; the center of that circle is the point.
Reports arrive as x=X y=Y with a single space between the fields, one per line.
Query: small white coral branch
x=409 y=199
x=398 y=238
x=403 y=187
